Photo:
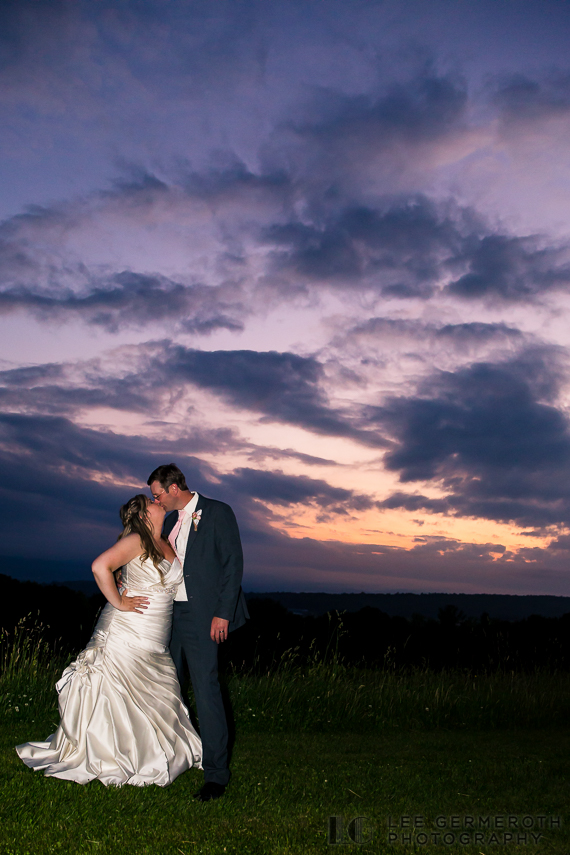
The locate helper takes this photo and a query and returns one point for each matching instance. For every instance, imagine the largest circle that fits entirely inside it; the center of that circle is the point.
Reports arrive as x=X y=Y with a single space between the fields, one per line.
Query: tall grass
x=29 y=668
x=332 y=698
x=320 y=693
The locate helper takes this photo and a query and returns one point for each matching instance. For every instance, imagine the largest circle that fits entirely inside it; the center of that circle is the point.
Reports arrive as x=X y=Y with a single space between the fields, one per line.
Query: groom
x=209 y=603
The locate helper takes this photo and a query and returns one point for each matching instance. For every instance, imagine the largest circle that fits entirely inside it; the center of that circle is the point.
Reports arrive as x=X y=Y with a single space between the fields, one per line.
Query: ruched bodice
x=122 y=716
x=150 y=628
x=142 y=576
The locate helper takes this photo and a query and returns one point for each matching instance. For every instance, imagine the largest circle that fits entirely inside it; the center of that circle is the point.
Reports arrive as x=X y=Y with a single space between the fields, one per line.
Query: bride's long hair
x=135 y=521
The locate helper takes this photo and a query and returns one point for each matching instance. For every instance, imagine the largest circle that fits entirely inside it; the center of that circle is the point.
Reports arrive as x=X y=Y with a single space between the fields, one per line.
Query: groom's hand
x=219 y=629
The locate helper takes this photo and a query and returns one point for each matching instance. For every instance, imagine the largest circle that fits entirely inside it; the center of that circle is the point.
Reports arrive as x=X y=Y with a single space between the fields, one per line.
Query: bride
x=122 y=719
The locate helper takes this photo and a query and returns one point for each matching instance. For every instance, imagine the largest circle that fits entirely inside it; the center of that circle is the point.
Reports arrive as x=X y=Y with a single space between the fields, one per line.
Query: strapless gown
x=122 y=719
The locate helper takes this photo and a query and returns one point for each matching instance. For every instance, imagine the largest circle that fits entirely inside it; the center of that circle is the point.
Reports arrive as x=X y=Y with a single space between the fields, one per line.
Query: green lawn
x=285 y=787
x=457 y=754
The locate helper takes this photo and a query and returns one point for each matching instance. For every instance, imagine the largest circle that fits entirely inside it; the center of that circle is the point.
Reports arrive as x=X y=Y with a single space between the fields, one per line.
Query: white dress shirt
x=182 y=542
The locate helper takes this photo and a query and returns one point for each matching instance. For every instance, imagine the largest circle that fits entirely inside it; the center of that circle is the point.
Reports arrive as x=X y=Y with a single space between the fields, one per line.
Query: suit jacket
x=213 y=565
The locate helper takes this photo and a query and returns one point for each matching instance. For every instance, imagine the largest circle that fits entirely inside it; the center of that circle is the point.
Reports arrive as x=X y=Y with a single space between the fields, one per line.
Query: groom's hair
x=168 y=475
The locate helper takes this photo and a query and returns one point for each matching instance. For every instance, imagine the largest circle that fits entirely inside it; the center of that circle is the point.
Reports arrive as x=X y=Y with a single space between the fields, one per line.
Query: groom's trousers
x=193 y=643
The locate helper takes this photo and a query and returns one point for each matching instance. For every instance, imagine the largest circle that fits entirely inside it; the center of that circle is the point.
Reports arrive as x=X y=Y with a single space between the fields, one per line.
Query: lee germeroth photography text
x=447 y=830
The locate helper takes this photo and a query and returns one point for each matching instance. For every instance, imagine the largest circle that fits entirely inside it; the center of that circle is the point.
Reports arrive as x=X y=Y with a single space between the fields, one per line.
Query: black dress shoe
x=210 y=791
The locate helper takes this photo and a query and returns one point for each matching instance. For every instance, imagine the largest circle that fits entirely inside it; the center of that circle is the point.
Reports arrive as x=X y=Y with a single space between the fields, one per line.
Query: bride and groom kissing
x=122 y=718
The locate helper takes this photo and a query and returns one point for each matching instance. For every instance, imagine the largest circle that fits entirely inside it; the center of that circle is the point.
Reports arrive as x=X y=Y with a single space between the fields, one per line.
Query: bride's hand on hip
x=133 y=604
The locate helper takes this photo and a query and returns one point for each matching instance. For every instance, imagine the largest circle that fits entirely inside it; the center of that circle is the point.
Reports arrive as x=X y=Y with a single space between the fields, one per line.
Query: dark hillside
x=500 y=606
x=67 y=615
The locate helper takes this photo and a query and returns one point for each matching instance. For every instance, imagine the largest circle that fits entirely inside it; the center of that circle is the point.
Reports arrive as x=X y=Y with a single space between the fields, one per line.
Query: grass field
x=284 y=790
x=458 y=756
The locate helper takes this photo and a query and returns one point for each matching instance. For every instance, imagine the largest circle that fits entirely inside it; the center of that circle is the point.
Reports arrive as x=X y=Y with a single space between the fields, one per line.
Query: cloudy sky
x=318 y=254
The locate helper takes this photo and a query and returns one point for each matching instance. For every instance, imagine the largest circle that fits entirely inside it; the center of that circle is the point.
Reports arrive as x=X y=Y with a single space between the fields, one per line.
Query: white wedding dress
x=122 y=719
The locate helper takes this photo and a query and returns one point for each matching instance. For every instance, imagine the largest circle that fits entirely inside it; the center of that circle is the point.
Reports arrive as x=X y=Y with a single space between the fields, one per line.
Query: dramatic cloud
x=510 y=269
x=278 y=387
x=462 y=335
x=411 y=250
x=73 y=480
x=281 y=489
x=131 y=300
x=522 y=99
x=427 y=106
x=439 y=564
x=283 y=387
x=490 y=436
x=399 y=250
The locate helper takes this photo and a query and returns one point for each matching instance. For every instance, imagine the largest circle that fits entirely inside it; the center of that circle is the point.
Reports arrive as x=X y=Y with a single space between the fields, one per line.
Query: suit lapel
x=169 y=523
x=193 y=534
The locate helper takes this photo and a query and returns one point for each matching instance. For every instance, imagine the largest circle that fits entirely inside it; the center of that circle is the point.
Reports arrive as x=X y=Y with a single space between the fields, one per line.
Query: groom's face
x=165 y=497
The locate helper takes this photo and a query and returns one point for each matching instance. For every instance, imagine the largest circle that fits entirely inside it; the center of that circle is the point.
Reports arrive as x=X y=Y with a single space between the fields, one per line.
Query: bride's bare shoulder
x=120 y=553
x=130 y=539
x=131 y=544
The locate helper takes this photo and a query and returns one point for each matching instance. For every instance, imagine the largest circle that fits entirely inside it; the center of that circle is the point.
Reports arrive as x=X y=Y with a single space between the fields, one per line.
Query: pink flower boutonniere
x=196 y=517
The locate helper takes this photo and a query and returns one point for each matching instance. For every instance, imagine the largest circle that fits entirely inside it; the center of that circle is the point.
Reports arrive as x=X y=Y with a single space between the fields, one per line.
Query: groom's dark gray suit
x=213 y=568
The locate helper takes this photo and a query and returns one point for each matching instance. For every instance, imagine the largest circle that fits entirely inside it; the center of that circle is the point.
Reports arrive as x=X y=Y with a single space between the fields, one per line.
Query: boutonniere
x=196 y=517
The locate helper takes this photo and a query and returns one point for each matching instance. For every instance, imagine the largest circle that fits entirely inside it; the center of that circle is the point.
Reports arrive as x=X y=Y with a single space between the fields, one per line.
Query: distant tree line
x=372 y=639
x=367 y=638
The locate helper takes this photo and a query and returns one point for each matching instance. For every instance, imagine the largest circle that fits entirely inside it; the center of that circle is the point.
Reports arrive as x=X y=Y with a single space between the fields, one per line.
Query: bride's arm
x=104 y=566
